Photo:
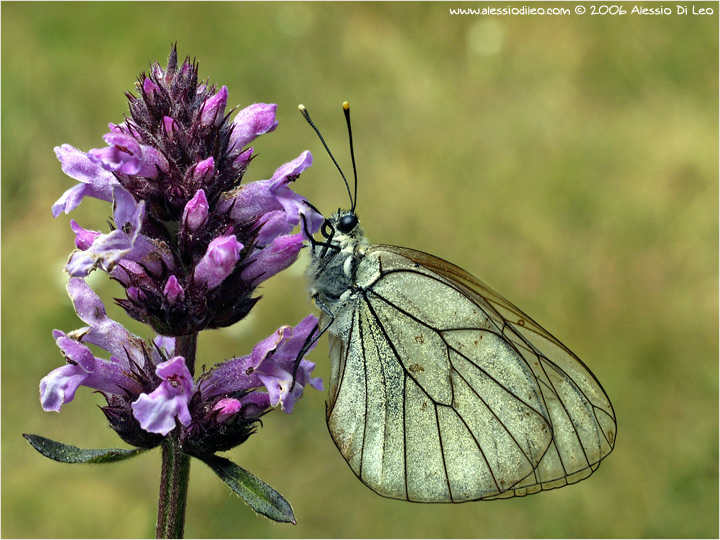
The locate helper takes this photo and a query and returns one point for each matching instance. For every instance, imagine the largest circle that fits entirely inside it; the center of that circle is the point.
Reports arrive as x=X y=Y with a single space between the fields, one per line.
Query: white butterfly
x=441 y=390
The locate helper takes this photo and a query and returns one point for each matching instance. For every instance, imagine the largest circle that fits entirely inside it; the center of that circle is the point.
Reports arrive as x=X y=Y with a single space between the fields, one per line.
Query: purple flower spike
x=196 y=211
x=157 y=411
x=250 y=123
x=214 y=108
x=189 y=242
x=95 y=181
x=219 y=261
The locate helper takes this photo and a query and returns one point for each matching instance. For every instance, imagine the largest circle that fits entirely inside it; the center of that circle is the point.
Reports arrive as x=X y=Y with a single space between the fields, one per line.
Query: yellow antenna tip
x=301 y=107
x=346 y=105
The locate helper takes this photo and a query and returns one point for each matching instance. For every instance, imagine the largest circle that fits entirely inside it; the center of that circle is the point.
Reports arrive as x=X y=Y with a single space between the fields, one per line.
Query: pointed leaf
x=72 y=454
x=256 y=493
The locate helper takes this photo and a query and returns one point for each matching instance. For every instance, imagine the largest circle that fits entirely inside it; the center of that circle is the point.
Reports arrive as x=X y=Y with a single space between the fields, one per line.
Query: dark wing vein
x=439 y=333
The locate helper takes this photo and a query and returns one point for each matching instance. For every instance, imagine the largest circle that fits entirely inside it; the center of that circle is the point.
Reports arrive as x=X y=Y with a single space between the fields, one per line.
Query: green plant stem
x=173 y=490
x=175 y=473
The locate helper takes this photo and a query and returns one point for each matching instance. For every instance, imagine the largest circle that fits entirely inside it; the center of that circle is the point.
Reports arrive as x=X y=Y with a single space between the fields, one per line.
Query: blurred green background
x=569 y=161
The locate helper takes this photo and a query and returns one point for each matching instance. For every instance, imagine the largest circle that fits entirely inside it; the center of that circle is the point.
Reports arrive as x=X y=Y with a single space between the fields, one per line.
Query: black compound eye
x=347 y=223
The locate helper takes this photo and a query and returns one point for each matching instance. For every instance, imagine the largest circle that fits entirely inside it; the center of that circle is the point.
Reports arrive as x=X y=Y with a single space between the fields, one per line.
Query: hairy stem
x=175 y=466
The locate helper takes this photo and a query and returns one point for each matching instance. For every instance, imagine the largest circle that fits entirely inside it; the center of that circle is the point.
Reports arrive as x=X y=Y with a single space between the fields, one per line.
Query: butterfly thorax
x=332 y=271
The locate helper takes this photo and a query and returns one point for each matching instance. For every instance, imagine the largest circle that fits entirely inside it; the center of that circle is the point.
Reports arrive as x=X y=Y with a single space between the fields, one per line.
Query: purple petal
x=241 y=162
x=158 y=410
x=170 y=126
x=77 y=353
x=59 y=386
x=250 y=123
x=106 y=254
x=218 y=262
x=126 y=210
x=313 y=221
x=272 y=225
x=122 y=155
x=173 y=291
x=104 y=332
x=238 y=374
x=227 y=409
x=84 y=238
x=254 y=405
x=205 y=169
x=289 y=171
x=149 y=89
x=278 y=383
x=252 y=201
x=214 y=108
x=265 y=263
x=271 y=364
x=125 y=155
x=196 y=211
x=166 y=344
x=304 y=370
x=96 y=182
x=125 y=242
x=249 y=202
x=292 y=203
x=295 y=342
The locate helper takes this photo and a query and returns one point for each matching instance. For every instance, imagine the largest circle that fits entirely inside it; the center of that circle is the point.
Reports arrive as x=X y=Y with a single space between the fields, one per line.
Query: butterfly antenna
x=346 y=110
x=305 y=114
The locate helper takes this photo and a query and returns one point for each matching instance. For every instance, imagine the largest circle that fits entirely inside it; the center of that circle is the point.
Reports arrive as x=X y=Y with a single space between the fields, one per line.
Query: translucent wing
x=443 y=391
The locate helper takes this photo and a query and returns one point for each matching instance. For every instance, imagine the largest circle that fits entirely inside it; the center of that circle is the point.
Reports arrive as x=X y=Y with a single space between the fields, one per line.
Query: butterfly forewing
x=582 y=415
x=443 y=391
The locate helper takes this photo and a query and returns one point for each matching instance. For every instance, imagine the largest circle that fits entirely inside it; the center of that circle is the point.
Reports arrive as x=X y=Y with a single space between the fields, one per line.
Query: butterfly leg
x=328 y=235
x=312 y=338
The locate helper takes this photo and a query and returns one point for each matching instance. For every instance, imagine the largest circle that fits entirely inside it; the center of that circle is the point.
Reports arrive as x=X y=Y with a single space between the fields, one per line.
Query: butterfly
x=441 y=390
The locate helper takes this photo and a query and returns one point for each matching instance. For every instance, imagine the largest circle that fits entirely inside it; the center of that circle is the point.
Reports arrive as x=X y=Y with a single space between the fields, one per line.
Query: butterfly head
x=334 y=258
x=342 y=228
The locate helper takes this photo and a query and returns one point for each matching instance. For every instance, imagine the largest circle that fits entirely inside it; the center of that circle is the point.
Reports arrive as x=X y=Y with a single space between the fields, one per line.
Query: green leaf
x=256 y=493
x=72 y=454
